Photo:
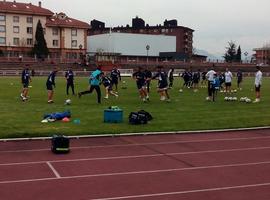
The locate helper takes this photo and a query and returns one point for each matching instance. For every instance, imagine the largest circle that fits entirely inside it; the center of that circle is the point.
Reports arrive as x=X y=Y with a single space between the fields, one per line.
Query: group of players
x=143 y=78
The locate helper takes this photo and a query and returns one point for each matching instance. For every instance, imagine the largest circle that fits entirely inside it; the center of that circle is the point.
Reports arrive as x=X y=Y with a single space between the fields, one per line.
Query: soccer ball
x=248 y=100
x=68 y=102
x=226 y=98
x=180 y=90
x=234 y=98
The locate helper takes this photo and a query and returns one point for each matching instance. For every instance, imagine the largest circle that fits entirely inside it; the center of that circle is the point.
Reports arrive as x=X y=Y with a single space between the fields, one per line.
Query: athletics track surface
x=211 y=166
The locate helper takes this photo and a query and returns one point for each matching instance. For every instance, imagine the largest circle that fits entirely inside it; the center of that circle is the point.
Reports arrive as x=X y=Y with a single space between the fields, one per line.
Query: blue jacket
x=95 y=77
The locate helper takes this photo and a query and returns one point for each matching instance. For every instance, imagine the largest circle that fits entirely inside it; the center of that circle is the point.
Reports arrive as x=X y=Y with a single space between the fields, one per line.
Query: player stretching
x=25 y=82
x=140 y=78
x=162 y=84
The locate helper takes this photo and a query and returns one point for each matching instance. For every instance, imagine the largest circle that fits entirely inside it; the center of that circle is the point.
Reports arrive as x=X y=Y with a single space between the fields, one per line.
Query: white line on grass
x=187 y=192
x=136 y=156
x=145 y=144
x=53 y=170
x=138 y=172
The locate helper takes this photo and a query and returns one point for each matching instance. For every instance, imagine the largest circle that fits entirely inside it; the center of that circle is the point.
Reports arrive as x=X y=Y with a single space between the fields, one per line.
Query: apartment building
x=65 y=36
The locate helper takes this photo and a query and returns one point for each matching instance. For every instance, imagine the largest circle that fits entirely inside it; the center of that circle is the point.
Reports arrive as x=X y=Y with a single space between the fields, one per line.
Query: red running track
x=210 y=166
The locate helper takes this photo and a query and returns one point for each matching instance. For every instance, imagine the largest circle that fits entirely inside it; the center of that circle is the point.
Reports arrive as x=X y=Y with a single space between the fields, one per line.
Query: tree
x=40 y=47
x=238 y=57
x=230 y=54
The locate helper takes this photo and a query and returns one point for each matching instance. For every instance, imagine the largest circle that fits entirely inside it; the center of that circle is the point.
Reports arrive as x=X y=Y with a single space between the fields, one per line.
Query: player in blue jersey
x=25 y=79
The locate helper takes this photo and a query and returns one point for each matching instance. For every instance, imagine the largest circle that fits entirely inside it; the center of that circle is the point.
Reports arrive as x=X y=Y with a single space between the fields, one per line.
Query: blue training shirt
x=95 y=77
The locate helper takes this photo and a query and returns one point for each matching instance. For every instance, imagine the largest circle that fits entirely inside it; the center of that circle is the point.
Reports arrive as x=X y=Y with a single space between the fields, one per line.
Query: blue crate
x=113 y=116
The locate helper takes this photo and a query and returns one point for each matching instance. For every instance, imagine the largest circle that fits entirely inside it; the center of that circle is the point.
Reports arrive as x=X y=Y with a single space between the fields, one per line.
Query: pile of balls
x=245 y=100
x=230 y=98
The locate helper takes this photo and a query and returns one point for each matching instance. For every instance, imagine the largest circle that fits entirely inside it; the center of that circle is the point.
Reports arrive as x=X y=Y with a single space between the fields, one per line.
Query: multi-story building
x=262 y=55
x=65 y=37
x=184 y=35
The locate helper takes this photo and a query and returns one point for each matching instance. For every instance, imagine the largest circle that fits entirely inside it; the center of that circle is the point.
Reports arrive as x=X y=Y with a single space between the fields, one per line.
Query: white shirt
x=210 y=75
x=228 y=77
x=258 y=78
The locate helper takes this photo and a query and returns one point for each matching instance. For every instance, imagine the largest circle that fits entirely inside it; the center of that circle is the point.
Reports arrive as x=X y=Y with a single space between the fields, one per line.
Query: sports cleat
x=79 y=95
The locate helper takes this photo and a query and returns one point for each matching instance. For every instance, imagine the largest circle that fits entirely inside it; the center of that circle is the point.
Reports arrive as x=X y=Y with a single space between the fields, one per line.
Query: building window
x=2 y=18
x=2 y=28
x=16 y=29
x=29 y=20
x=29 y=30
x=55 y=31
x=74 y=32
x=2 y=40
x=16 y=41
x=55 y=43
x=16 y=19
x=74 y=43
x=29 y=41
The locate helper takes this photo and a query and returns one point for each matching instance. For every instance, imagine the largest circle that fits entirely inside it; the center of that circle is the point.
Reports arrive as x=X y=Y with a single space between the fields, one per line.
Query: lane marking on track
x=57 y=175
x=146 y=144
x=136 y=156
x=137 y=172
x=186 y=192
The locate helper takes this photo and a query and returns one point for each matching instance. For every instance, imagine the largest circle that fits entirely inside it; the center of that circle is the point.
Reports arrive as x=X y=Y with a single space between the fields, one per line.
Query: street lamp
x=147 y=50
x=246 y=54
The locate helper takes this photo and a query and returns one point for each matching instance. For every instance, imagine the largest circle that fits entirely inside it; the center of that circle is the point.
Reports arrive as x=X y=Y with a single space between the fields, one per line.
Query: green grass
x=187 y=111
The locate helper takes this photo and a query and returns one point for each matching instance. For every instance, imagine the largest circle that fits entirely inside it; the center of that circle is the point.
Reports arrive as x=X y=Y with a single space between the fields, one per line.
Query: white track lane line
x=187 y=192
x=57 y=175
x=138 y=172
x=145 y=144
x=136 y=156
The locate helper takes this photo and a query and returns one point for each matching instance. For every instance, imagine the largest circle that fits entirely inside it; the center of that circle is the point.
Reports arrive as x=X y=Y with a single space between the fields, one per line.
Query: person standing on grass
x=171 y=78
x=50 y=84
x=258 y=83
x=239 y=79
x=228 y=81
x=140 y=78
x=196 y=79
x=115 y=76
x=94 y=82
x=148 y=76
x=210 y=77
x=26 y=79
x=162 y=84
x=69 y=75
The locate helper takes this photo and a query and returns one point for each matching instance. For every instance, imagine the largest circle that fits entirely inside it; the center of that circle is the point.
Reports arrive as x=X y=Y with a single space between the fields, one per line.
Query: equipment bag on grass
x=136 y=118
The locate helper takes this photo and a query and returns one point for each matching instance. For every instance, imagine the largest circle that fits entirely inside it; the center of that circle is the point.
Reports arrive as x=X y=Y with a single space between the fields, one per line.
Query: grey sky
x=215 y=21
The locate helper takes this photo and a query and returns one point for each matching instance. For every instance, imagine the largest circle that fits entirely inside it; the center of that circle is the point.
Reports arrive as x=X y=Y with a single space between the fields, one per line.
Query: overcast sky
x=246 y=22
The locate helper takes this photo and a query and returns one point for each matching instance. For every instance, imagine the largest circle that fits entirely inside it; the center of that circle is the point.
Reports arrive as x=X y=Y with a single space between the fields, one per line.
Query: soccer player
x=140 y=78
x=115 y=76
x=196 y=79
x=94 y=82
x=239 y=79
x=107 y=83
x=50 y=84
x=70 y=81
x=228 y=81
x=258 y=83
x=170 y=76
x=203 y=82
x=162 y=84
x=26 y=79
x=210 y=77
x=148 y=76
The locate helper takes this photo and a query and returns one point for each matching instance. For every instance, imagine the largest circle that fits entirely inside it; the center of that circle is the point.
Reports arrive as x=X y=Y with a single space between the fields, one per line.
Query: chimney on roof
x=39 y=3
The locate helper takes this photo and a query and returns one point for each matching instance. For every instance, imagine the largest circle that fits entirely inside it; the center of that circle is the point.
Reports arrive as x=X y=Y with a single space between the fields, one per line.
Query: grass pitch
x=186 y=111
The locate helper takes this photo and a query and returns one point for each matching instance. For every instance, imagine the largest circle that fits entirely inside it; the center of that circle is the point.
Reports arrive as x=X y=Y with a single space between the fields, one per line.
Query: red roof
x=61 y=20
x=23 y=8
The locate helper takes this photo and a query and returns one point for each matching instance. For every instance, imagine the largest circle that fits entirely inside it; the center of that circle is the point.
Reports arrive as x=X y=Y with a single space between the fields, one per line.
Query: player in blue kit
x=25 y=79
x=161 y=76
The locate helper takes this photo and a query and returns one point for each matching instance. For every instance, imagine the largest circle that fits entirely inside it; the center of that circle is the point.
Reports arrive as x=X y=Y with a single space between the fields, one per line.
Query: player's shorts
x=258 y=88
x=239 y=81
x=108 y=86
x=140 y=86
x=228 y=84
x=49 y=86
x=25 y=85
x=114 y=81
x=162 y=86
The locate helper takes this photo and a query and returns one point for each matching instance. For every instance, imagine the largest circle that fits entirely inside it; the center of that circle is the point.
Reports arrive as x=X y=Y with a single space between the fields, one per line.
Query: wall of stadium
x=131 y=44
